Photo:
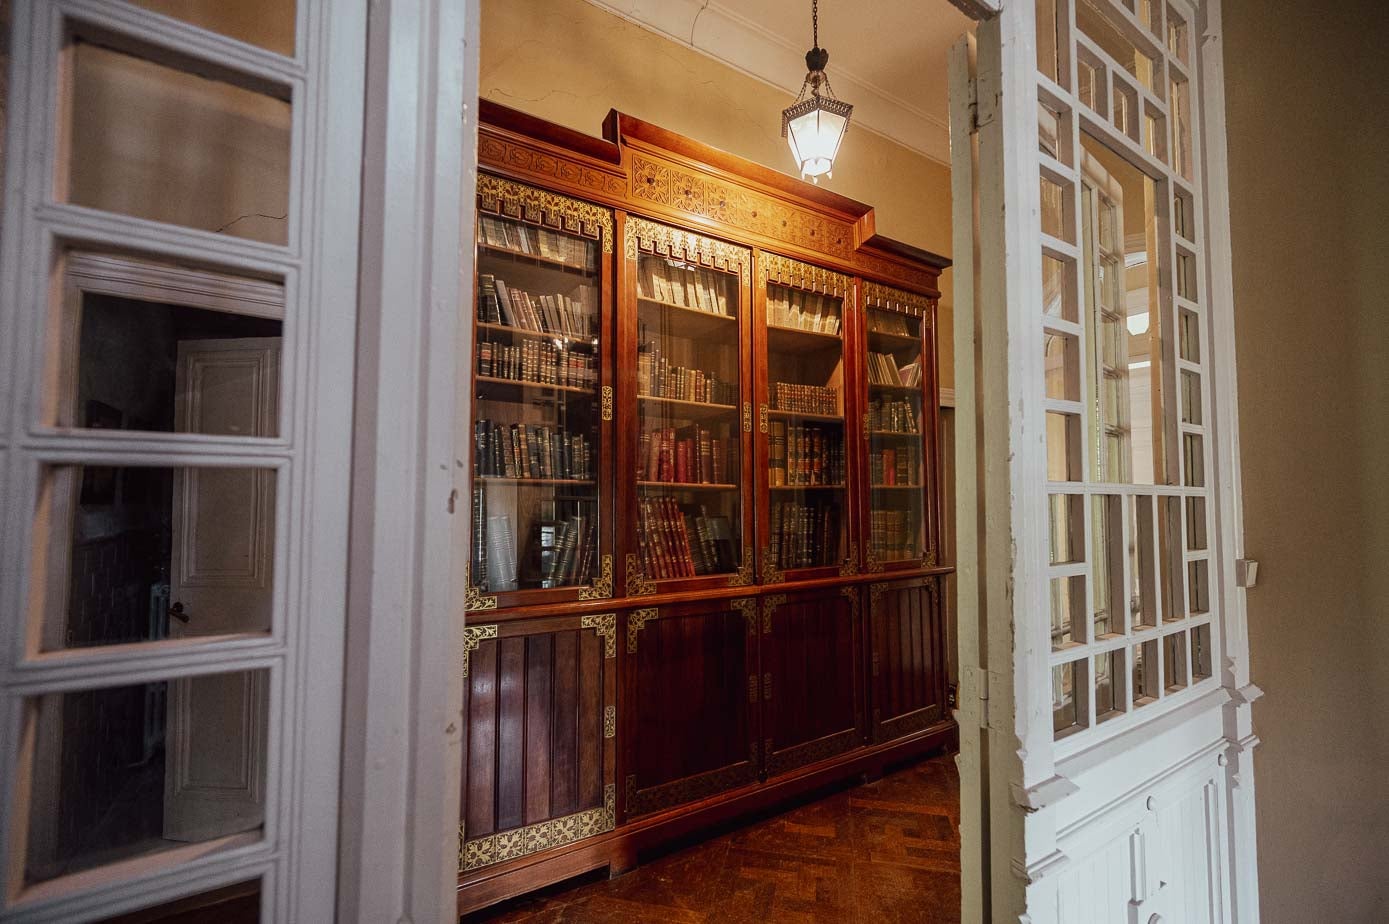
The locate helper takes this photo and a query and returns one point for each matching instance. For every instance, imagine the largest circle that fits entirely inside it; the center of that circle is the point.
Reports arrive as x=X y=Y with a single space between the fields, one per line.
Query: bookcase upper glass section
x=537 y=521
x=802 y=419
x=689 y=472
x=895 y=373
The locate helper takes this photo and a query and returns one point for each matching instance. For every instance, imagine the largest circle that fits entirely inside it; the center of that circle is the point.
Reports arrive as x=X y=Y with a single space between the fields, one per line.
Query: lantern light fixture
x=814 y=124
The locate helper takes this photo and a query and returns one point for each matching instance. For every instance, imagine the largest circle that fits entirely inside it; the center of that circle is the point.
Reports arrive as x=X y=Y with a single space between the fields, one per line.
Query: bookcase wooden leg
x=624 y=860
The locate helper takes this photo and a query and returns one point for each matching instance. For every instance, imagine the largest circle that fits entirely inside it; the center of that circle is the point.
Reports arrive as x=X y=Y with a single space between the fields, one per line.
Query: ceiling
x=887 y=57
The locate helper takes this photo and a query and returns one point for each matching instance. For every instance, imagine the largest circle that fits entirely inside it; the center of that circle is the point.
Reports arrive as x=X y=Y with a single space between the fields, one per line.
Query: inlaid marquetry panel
x=690 y=697
x=540 y=700
x=906 y=658
x=812 y=702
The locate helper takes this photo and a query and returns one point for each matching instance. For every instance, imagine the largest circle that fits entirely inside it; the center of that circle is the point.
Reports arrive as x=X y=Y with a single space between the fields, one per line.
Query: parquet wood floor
x=884 y=852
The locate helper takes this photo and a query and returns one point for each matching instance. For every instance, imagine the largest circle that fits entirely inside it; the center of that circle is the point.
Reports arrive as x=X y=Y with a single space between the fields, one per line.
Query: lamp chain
x=815 y=23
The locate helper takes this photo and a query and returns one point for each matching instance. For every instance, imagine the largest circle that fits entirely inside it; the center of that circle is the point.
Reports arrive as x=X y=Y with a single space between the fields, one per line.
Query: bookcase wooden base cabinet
x=703 y=573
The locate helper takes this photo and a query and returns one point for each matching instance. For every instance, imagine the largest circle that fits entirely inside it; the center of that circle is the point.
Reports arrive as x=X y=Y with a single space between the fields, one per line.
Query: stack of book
x=560 y=315
x=679 y=542
x=805 y=399
x=883 y=370
x=890 y=534
x=804 y=456
x=501 y=554
x=805 y=535
x=529 y=451
x=892 y=415
x=696 y=288
x=690 y=455
x=888 y=322
x=896 y=466
x=536 y=361
x=477 y=571
x=565 y=550
x=657 y=378
x=535 y=242
x=802 y=310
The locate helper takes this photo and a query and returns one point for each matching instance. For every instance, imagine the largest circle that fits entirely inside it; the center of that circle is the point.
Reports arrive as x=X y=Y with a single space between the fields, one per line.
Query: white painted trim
x=1210 y=151
x=732 y=39
x=403 y=727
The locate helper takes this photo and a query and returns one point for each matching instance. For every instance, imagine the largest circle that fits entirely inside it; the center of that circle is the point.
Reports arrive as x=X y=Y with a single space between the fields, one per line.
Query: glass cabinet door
x=538 y=442
x=687 y=507
x=900 y=427
x=805 y=516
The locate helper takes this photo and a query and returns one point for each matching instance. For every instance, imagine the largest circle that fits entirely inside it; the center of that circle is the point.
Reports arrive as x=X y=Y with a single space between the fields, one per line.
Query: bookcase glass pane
x=689 y=486
x=895 y=474
x=537 y=439
x=807 y=475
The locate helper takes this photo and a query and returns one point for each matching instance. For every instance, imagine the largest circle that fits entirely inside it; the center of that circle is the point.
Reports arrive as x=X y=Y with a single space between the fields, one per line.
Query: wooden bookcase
x=703 y=571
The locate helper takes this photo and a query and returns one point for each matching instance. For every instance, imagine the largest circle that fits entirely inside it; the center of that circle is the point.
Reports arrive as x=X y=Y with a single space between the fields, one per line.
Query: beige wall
x=569 y=62
x=1308 y=98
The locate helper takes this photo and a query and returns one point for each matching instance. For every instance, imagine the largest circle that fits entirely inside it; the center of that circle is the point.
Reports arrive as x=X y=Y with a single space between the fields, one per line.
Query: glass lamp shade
x=813 y=129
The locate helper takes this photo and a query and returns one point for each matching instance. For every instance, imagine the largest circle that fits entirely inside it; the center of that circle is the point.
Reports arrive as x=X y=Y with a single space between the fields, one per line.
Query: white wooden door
x=220 y=584
x=1105 y=690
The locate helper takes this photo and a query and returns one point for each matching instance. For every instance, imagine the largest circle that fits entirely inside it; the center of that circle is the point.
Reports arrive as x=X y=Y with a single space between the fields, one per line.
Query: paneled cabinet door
x=811 y=690
x=690 y=698
x=539 y=755
x=906 y=657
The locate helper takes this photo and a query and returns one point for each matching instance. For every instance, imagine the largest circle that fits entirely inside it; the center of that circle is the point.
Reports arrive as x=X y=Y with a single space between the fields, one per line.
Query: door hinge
x=983 y=699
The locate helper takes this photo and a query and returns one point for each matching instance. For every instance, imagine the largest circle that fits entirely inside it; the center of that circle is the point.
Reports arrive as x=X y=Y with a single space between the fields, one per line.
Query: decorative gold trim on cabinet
x=636 y=621
x=762 y=418
x=609 y=721
x=872 y=563
x=536 y=206
x=472 y=637
x=474 y=600
x=645 y=236
x=748 y=607
x=769 y=605
x=637 y=583
x=752 y=688
x=602 y=586
x=606 y=626
x=771 y=574
x=744 y=576
x=767 y=691
x=607 y=399
x=929 y=559
x=850 y=565
x=784 y=271
x=545 y=835
x=887 y=298
x=747 y=416
x=874 y=592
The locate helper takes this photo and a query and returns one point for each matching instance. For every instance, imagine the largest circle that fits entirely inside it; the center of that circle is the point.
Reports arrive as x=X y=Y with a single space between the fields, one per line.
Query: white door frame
x=1053 y=817
x=295 y=858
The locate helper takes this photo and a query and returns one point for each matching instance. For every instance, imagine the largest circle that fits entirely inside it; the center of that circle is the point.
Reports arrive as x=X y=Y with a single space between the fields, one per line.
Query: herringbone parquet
x=883 y=852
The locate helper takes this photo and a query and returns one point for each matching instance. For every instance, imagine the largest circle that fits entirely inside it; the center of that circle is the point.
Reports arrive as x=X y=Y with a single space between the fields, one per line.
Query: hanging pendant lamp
x=814 y=124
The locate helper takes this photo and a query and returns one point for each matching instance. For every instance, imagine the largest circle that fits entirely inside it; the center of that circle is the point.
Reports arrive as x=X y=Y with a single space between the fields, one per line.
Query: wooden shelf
x=687 y=486
x=799 y=339
x=532 y=482
x=895 y=487
x=805 y=415
x=535 y=334
x=689 y=410
x=901 y=433
x=892 y=341
x=517 y=386
x=689 y=323
x=807 y=487
x=895 y=389
x=485 y=249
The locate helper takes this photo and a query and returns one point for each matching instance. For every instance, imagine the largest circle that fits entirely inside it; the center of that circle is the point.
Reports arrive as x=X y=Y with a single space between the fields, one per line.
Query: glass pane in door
x=689 y=480
x=896 y=476
x=536 y=409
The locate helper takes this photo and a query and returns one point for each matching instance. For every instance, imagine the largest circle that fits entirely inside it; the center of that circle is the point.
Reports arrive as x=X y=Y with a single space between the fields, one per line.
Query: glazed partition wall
x=676 y=609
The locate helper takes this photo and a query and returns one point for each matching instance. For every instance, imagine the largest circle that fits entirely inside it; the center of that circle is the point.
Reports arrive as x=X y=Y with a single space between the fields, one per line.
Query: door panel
x=811 y=688
x=221 y=581
x=538 y=757
x=691 y=691
x=906 y=667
